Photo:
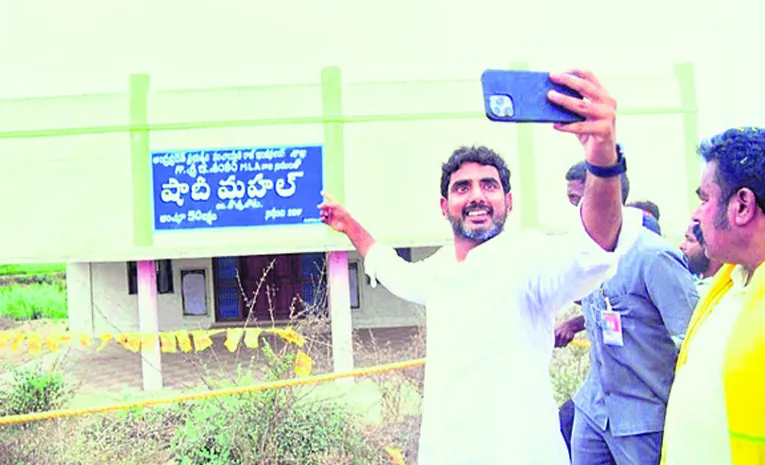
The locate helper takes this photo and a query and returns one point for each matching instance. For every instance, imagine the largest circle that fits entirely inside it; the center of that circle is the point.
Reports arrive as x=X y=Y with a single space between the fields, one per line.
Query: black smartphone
x=521 y=97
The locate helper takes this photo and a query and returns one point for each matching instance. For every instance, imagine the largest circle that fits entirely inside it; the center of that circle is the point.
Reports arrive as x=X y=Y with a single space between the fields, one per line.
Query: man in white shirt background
x=490 y=401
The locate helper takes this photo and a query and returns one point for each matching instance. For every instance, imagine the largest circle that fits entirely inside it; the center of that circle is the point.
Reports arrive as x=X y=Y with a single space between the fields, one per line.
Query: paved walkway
x=115 y=370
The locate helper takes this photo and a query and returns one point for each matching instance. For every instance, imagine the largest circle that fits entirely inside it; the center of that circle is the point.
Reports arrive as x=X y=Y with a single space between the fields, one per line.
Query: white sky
x=50 y=47
x=59 y=47
x=173 y=35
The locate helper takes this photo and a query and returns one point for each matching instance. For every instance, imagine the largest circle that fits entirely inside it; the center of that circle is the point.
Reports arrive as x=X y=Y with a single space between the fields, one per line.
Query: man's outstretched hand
x=333 y=214
x=337 y=217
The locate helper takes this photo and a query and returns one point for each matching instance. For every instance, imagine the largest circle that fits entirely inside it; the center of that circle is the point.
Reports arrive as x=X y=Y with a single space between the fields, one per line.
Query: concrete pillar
x=148 y=322
x=340 y=311
x=79 y=297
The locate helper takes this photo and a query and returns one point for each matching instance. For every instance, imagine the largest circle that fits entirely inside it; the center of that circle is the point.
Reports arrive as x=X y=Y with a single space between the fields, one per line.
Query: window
x=228 y=298
x=353 y=284
x=132 y=272
x=164 y=277
x=194 y=292
x=261 y=287
x=314 y=282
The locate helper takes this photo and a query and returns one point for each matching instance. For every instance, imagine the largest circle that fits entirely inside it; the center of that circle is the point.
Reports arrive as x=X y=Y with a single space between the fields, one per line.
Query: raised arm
x=590 y=256
x=602 y=201
x=406 y=280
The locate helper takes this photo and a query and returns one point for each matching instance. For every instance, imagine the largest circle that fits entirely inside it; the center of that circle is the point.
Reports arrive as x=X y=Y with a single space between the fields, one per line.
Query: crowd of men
x=677 y=332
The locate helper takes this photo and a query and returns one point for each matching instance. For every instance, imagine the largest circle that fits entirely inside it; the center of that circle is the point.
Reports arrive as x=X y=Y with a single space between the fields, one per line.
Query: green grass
x=32 y=269
x=33 y=302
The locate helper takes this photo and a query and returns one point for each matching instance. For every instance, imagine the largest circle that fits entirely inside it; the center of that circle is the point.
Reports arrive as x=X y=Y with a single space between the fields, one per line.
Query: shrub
x=276 y=426
x=268 y=428
x=209 y=434
x=135 y=436
x=306 y=432
x=35 y=390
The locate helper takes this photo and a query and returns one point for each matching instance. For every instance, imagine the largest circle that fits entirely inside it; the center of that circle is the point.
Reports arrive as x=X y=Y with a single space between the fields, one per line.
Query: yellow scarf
x=744 y=370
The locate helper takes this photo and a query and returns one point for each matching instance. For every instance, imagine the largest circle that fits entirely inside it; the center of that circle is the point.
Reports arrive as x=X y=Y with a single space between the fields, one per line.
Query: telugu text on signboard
x=236 y=187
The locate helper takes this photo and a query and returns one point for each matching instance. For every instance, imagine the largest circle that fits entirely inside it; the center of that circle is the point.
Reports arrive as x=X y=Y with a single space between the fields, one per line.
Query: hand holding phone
x=521 y=97
x=597 y=132
x=576 y=102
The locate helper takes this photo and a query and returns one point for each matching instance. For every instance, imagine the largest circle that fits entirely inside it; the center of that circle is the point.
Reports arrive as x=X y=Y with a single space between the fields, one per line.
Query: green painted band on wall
x=384 y=118
x=139 y=160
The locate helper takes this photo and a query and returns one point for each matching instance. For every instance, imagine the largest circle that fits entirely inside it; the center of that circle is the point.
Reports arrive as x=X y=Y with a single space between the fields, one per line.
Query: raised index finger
x=328 y=200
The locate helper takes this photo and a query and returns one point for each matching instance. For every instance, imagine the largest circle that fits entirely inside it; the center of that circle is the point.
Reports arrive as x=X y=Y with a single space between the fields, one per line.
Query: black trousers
x=566 y=415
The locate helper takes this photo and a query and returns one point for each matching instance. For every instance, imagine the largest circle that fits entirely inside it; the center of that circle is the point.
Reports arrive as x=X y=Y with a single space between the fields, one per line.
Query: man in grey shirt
x=635 y=323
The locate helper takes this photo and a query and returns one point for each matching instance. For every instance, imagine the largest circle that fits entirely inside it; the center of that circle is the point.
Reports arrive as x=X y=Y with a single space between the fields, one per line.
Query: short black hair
x=474 y=154
x=696 y=229
x=740 y=157
x=648 y=206
x=578 y=172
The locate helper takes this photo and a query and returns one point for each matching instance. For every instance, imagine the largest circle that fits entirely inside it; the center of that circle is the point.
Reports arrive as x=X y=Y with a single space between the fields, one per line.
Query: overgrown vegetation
x=32 y=269
x=33 y=291
x=314 y=425
x=280 y=427
x=33 y=302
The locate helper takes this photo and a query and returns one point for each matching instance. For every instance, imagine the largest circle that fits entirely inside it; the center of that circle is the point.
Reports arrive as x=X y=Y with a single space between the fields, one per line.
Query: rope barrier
x=30 y=417
x=52 y=414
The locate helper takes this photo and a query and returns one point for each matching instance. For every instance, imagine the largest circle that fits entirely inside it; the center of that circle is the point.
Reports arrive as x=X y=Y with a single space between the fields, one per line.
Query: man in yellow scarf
x=716 y=409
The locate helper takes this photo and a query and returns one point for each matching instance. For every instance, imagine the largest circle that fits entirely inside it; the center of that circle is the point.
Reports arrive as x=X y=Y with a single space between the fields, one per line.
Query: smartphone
x=521 y=97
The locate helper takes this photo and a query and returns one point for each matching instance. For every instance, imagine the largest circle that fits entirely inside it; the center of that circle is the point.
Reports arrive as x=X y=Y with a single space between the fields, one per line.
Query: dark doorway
x=269 y=286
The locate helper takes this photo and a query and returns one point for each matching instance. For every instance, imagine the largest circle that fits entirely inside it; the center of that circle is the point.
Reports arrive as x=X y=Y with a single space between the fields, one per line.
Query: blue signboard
x=236 y=187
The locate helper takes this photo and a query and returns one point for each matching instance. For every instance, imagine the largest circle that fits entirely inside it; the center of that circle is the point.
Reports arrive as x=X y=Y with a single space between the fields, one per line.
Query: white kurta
x=488 y=398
